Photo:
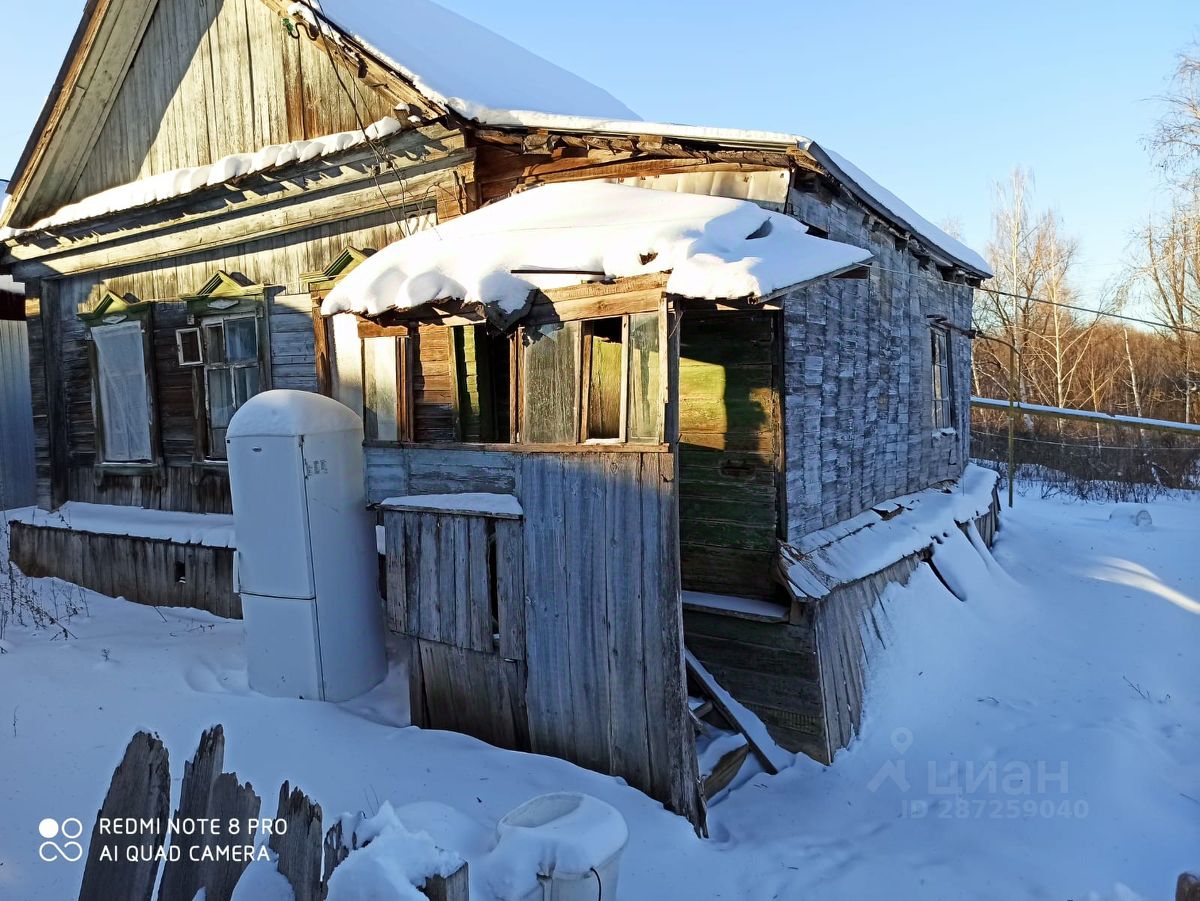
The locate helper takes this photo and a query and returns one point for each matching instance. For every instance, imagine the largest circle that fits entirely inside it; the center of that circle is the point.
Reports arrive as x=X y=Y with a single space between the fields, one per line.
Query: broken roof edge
x=862 y=186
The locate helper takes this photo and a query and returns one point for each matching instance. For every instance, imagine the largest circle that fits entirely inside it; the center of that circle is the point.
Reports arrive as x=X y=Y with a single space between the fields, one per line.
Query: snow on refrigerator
x=307 y=566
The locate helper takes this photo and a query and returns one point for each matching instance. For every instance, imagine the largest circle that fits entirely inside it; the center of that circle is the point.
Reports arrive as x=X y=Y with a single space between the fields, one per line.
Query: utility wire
x=1042 y=300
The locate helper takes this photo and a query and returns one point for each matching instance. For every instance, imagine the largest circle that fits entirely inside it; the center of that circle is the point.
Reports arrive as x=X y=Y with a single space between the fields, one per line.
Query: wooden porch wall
x=604 y=683
x=143 y=570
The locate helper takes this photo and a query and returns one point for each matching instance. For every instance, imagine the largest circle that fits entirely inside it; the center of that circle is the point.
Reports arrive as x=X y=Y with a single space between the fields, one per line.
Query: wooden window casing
x=942 y=375
x=113 y=312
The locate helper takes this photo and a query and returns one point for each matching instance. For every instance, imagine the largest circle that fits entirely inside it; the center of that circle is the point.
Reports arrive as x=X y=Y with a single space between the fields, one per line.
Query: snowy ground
x=1038 y=741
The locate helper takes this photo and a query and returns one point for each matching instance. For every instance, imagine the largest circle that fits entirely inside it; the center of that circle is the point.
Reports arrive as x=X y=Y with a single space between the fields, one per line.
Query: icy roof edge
x=188 y=180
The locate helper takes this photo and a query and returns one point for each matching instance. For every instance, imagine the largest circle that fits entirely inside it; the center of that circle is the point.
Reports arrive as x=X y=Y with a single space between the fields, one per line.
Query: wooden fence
x=125 y=867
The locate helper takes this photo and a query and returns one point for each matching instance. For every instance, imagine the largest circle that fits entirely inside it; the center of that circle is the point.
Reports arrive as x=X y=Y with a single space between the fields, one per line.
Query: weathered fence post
x=140 y=788
x=299 y=848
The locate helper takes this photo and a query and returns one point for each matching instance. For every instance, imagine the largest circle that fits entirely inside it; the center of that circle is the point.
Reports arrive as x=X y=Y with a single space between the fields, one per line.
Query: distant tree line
x=1029 y=312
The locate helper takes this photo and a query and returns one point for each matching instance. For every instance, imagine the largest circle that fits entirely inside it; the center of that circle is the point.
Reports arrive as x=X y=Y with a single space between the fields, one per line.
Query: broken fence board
x=140 y=788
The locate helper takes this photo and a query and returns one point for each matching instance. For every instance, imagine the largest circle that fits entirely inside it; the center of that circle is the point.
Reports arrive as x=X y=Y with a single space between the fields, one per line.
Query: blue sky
x=937 y=100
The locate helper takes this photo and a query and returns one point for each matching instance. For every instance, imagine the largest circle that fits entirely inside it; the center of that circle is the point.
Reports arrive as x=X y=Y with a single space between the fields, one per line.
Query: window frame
x=207 y=366
x=943 y=409
x=110 y=310
x=223 y=297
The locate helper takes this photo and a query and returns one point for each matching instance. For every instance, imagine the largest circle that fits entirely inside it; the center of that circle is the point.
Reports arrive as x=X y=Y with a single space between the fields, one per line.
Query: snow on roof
x=899 y=210
x=869 y=190
x=713 y=247
x=177 y=182
x=461 y=64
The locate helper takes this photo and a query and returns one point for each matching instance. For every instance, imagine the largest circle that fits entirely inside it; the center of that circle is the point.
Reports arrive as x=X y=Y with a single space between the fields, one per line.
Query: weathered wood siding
x=858 y=408
x=16 y=416
x=604 y=681
x=729 y=445
x=57 y=342
x=145 y=570
x=217 y=77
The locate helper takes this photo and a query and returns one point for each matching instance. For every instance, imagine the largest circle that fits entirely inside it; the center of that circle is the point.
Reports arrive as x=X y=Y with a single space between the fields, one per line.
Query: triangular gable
x=155 y=85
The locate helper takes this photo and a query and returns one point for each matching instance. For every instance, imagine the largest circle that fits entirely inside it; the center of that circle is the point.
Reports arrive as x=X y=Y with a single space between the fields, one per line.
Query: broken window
x=122 y=393
x=943 y=396
x=594 y=381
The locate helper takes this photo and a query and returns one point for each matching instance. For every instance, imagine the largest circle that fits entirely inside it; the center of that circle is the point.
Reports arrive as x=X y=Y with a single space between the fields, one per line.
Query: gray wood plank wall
x=212 y=78
x=16 y=418
x=279 y=262
x=603 y=635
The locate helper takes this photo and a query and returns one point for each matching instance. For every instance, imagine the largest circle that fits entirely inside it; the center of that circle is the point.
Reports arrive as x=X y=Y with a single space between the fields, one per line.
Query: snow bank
x=869 y=542
x=467 y=502
x=462 y=65
x=177 y=182
x=208 y=529
x=714 y=247
x=391 y=862
x=284 y=412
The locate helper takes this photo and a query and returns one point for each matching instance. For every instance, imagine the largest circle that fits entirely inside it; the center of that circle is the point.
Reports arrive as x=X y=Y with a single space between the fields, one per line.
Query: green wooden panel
x=729 y=434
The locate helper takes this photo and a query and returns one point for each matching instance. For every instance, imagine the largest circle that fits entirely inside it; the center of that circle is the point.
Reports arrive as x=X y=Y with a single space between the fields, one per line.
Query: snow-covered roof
x=488 y=78
x=462 y=65
x=177 y=182
x=713 y=247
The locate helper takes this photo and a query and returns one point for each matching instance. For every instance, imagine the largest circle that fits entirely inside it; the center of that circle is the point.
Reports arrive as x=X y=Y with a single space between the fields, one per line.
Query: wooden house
x=205 y=177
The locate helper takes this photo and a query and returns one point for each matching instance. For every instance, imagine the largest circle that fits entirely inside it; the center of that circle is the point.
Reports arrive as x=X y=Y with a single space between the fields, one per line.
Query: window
x=381 y=420
x=595 y=381
x=122 y=393
x=585 y=381
x=943 y=395
x=225 y=353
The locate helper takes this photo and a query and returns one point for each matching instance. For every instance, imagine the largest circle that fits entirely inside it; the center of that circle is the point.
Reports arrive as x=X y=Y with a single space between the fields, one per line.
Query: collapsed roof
x=563 y=234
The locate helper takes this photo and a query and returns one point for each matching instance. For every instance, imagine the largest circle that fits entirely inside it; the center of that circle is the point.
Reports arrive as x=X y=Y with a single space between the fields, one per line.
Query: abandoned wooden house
x=691 y=386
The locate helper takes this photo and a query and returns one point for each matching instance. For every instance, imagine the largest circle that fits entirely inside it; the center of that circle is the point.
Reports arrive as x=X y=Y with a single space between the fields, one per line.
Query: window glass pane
x=241 y=339
x=123 y=394
x=245 y=384
x=551 y=384
x=605 y=356
x=220 y=397
x=379 y=389
x=214 y=342
x=645 y=380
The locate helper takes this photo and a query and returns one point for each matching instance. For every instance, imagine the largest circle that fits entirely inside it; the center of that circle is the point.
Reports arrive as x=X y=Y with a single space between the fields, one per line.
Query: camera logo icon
x=68 y=830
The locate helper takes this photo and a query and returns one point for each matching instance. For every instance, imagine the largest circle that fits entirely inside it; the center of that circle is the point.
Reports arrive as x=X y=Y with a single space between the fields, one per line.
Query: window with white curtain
x=122 y=393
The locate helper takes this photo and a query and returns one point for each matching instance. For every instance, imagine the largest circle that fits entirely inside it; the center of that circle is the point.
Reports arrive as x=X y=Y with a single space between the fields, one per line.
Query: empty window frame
x=943 y=379
x=596 y=381
x=437 y=384
x=232 y=373
x=121 y=393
